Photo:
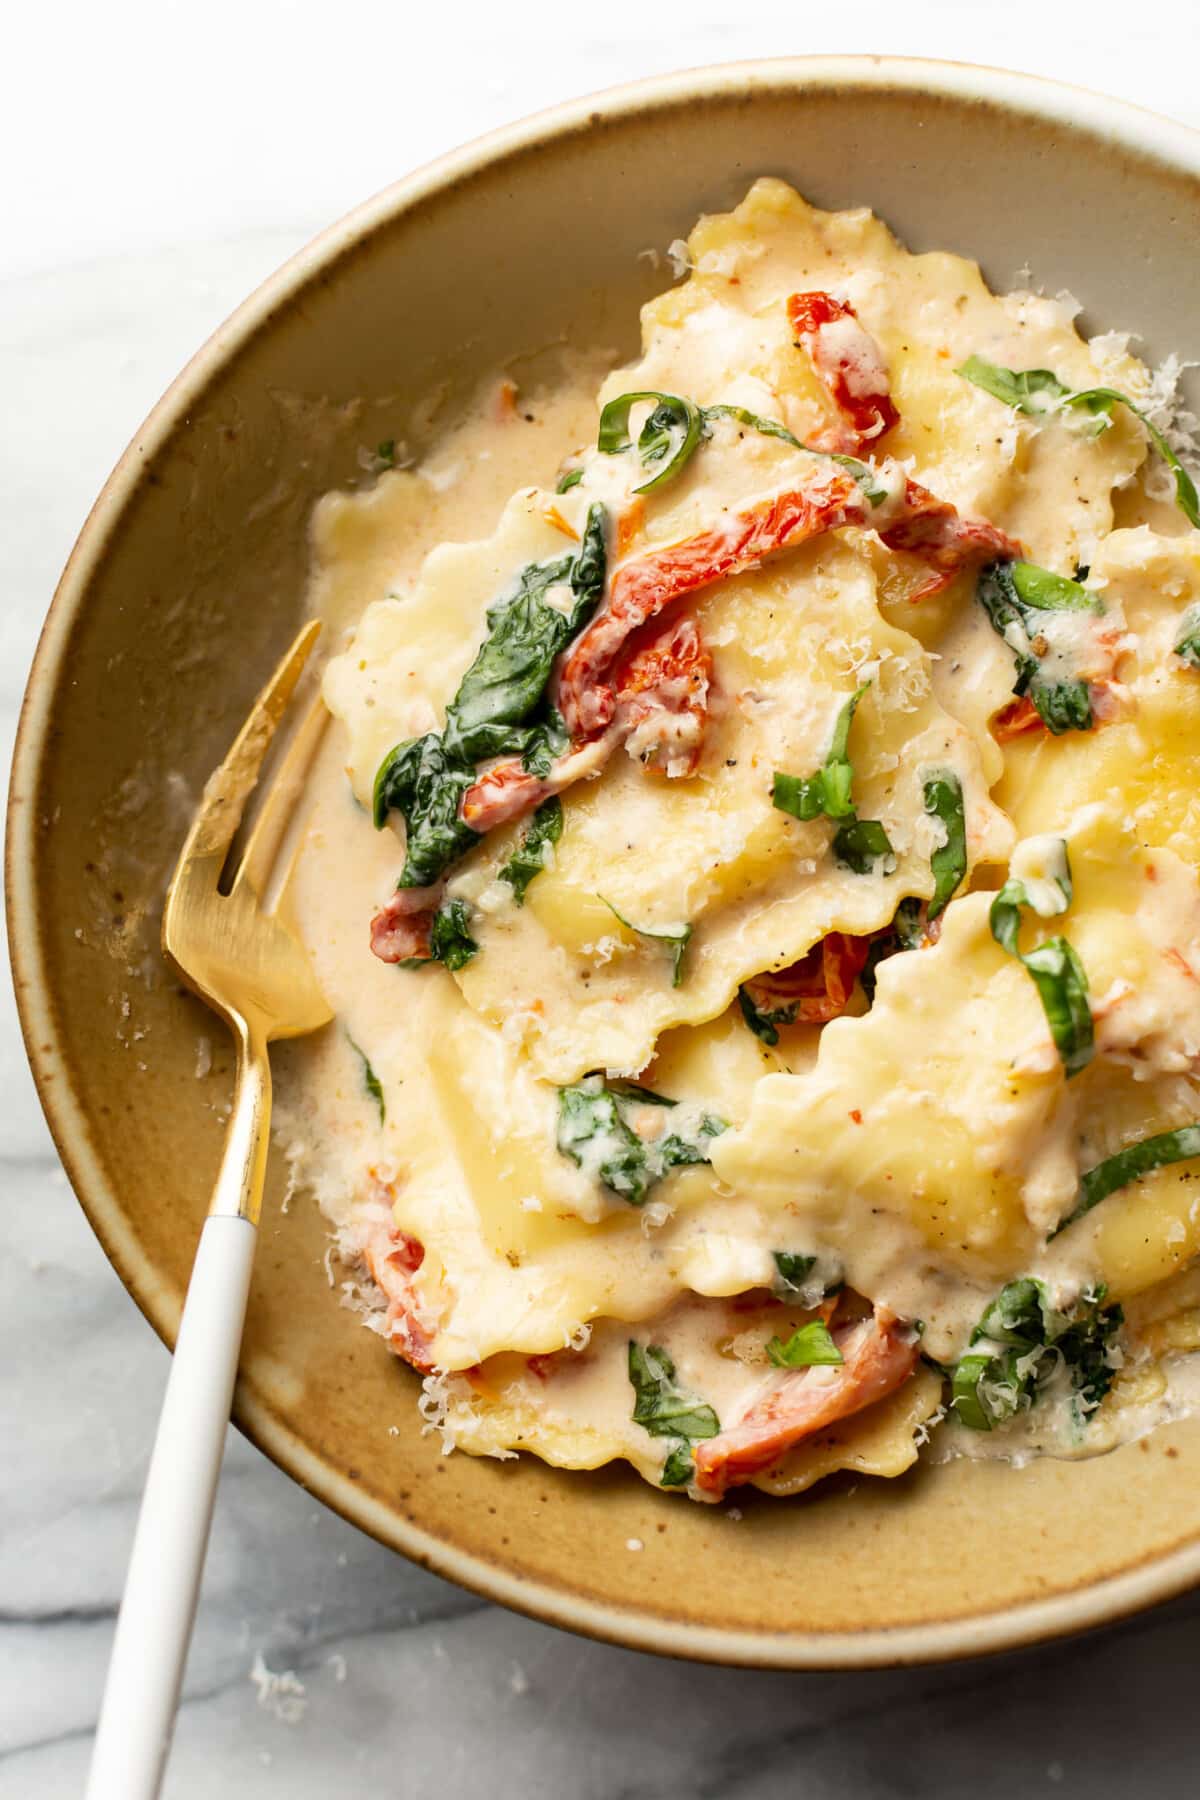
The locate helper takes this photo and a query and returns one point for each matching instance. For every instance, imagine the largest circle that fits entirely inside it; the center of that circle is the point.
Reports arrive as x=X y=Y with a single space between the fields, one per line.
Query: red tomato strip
x=935 y=531
x=662 y=697
x=393 y=1258
x=879 y=1356
x=642 y=589
x=1015 y=719
x=819 y=985
x=400 y=930
x=848 y=362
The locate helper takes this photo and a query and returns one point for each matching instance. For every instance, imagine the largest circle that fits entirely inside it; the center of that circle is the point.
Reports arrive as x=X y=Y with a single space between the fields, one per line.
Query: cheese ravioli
x=754 y=871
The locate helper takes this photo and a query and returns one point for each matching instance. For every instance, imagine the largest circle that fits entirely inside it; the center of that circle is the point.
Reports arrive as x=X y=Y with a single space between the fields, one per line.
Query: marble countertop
x=320 y=1658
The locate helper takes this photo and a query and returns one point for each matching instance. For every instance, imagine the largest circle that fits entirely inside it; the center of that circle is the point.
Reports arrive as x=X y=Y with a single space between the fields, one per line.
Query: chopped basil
x=944 y=800
x=386 y=453
x=858 y=844
x=676 y=427
x=1188 y=646
x=571 y=479
x=755 y=422
x=810 y=1346
x=1054 y=966
x=861 y=844
x=866 y=477
x=662 y=1407
x=533 y=852
x=762 y=1020
x=1032 y=391
x=1062 y=986
x=678 y=939
x=828 y=791
x=594 y=1131
x=666 y=442
x=371 y=1081
x=1038 y=392
x=1012 y=594
x=1049 y=897
x=1024 y=1342
x=1130 y=1164
x=499 y=708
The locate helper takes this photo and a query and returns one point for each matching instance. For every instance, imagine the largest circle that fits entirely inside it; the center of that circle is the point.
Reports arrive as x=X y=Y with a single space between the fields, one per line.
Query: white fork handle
x=150 y=1648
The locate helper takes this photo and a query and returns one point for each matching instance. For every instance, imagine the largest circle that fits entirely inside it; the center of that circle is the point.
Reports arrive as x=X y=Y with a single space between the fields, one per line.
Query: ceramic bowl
x=185 y=584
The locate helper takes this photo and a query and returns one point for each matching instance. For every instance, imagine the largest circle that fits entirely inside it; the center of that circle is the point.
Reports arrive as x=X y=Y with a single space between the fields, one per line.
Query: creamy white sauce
x=954 y=1075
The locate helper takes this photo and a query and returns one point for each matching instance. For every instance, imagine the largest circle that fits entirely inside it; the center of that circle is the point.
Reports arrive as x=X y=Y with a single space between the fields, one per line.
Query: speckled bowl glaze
x=185 y=584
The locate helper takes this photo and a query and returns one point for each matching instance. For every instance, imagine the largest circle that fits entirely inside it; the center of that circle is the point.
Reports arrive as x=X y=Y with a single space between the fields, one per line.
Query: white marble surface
x=153 y=174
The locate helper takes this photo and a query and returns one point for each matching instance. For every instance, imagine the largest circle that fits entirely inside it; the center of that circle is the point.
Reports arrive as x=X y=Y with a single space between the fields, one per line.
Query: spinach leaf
x=669 y=437
x=861 y=844
x=808 y=1347
x=944 y=800
x=1188 y=646
x=678 y=940
x=499 y=708
x=450 y=939
x=371 y=1081
x=594 y=1131
x=421 y=781
x=1054 y=966
x=571 y=479
x=1012 y=594
x=794 y=1268
x=386 y=453
x=679 y=1466
x=763 y=1021
x=1038 y=392
x=662 y=1407
x=1023 y=1342
x=531 y=854
x=908 y=924
x=526 y=631
x=798 y=1272
x=1130 y=1164
x=548 y=739
x=828 y=791
x=906 y=932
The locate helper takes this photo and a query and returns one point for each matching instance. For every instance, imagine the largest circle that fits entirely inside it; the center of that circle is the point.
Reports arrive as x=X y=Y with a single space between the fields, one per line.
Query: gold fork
x=234 y=950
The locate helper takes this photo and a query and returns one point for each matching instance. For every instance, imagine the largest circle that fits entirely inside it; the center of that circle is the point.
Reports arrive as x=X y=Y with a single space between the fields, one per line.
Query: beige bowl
x=184 y=585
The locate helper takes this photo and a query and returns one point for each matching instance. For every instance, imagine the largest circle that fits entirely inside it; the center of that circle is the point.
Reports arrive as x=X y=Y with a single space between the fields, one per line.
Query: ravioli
x=790 y=761
x=937 y=1142
x=757 y=888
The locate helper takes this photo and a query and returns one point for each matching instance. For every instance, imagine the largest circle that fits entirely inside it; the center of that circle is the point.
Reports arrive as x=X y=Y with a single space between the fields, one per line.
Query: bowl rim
x=1133 y=129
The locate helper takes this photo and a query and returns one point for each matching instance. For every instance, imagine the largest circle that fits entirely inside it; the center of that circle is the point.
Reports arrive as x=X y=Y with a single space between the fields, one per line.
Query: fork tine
x=278 y=808
x=228 y=789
